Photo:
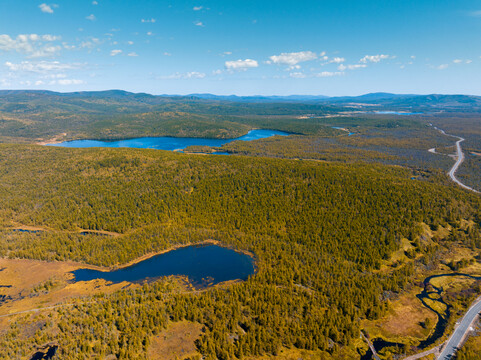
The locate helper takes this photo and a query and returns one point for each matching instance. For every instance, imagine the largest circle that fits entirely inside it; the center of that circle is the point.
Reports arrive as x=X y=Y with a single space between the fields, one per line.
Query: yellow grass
x=175 y=342
x=452 y=282
x=403 y=321
x=296 y=354
x=25 y=278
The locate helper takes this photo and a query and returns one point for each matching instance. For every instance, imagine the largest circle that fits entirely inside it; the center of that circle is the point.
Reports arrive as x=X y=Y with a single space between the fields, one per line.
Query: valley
x=349 y=231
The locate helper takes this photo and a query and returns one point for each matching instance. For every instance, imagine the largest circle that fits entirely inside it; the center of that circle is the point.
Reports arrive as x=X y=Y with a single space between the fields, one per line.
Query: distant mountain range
x=382 y=100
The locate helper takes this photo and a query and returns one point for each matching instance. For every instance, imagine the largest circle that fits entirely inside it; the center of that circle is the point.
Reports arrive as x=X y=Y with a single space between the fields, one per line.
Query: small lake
x=202 y=264
x=343 y=129
x=397 y=113
x=168 y=143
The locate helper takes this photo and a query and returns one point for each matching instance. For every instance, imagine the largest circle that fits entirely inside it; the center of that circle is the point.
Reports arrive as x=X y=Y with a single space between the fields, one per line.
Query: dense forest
x=319 y=231
x=323 y=211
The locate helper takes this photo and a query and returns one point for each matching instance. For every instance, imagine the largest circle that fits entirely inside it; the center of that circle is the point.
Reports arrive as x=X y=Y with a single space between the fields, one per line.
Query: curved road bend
x=459 y=160
x=461 y=331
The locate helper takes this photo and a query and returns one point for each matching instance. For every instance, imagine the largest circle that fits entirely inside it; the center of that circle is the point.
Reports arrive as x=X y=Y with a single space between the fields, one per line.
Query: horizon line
x=240 y=96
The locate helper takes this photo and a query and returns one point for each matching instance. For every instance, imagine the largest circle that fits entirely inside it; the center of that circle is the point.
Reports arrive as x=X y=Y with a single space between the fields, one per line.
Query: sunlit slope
x=320 y=232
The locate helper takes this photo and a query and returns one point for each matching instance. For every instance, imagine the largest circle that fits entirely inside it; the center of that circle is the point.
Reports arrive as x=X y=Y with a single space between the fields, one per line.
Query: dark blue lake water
x=397 y=113
x=168 y=143
x=203 y=264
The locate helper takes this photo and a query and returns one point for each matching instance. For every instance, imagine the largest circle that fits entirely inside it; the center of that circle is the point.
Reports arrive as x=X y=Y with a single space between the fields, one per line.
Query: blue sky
x=243 y=47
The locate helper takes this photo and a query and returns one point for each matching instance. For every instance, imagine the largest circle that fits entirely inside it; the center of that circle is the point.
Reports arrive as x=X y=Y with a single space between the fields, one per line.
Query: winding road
x=459 y=160
x=465 y=325
x=461 y=331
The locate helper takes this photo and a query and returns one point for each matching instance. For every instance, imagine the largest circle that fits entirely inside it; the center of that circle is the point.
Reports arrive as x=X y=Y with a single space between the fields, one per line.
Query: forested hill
x=320 y=232
x=33 y=116
x=121 y=96
x=39 y=116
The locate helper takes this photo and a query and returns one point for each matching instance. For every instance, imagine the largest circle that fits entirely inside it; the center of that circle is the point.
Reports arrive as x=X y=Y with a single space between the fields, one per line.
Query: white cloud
x=300 y=75
x=442 y=66
x=329 y=73
x=343 y=67
x=46 y=51
x=43 y=72
x=115 y=52
x=375 y=58
x=476 y=13
x=187 y=75
x=297 y=75
x=91 y=17
x=292 y=58
x=70 y=82
x=167 y=54
x=47 y=8
x=90 y=44
x=199 y=23
x=150 y=33
x=293 y=67
x=241 y=65
x=130 y=42
x=197 y=8
x=95 y=3
x=460 y=61
x=337 y=60
x=49 y=37
x=54 y=76
x=32 y=45
x=41 y=67
x=132 y=54
x=194 y=75
x=356 y=66
x=149 y=20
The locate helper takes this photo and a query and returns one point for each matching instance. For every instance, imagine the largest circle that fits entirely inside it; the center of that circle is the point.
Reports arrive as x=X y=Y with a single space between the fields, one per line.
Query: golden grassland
x=39 y=285
x=296 y=354
x=407 y=319
x=34 y=284
x=177 y=341
x=403 y=320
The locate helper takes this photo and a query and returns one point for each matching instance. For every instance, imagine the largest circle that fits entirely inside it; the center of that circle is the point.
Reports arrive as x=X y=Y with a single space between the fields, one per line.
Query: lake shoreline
x=172 y=248
x=55 y=141
x=203 y=264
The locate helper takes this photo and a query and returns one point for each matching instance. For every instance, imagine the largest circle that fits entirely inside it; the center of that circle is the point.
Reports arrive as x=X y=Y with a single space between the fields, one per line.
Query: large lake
x=397 y=113
x=202 y=264
x=168 y=143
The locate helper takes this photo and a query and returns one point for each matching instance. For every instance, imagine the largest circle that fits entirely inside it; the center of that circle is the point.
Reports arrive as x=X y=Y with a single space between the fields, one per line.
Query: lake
x=202 y=264
x=397 y=113
x=168 y=143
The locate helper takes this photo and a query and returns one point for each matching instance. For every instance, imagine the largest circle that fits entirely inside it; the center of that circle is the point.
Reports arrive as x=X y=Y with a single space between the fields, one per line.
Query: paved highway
x=459 y=160
x=461 y=331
